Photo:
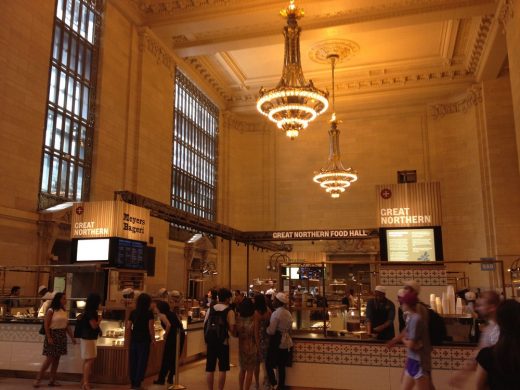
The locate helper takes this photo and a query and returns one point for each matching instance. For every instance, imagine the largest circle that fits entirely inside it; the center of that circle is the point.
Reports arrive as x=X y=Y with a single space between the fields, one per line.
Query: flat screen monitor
x=93 y=250
x=417 y=244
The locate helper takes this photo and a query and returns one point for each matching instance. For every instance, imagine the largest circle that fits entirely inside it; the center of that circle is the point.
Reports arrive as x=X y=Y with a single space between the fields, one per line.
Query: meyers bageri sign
x=110 y=219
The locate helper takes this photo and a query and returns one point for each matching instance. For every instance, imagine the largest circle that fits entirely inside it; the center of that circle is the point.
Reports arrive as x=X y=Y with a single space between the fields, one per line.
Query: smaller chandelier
x=293 y=103
x=334 y=178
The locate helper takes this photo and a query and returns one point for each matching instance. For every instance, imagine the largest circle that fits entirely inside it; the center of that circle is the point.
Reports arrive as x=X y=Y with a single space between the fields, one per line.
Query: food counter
x=337 y=363
x=22 y=346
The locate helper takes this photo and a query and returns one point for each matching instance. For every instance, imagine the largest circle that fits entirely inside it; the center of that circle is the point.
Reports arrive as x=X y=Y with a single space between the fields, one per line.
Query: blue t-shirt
x=415 y=330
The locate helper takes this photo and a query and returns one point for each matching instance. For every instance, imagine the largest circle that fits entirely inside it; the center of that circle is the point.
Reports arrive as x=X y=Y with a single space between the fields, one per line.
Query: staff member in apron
x=380 y=315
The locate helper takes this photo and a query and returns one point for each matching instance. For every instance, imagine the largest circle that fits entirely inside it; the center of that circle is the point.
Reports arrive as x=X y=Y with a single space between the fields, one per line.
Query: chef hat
x=381 y=289
x=41 y=288
x=413 y=285
x=282 y=297
x=161 y=291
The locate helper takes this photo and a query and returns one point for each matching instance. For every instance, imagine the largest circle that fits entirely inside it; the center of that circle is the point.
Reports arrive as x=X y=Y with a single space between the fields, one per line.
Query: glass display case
x=320 y=305
x=113 y=328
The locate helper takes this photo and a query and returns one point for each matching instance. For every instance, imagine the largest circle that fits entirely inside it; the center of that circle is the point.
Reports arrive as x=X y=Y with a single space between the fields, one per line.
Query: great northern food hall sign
x=314 y=234
x=408 y=205
x=110 y=219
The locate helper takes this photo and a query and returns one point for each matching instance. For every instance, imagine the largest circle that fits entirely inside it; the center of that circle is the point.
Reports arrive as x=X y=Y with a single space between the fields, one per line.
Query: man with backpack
x=218 y=324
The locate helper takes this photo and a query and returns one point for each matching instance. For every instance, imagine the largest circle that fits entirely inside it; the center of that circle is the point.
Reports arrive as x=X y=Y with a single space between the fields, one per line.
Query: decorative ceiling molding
x=168 y=7
x=344 y=48
x=472 y=97
x=505 y=12
x=202 y=69
x=156 y=49
x=462 y=43
x=480 y=43
x=232 y=121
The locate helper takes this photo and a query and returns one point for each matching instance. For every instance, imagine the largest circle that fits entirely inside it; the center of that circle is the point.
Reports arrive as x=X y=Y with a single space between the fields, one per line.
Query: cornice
x=472 y=98
x=505 y=12
x=232 y=121
x=154 y=46
x=480 y=43
x=202 y=69
x=169 y=7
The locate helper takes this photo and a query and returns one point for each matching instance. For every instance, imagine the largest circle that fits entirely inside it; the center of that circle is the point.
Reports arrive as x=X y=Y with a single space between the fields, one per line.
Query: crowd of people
x=262 y=325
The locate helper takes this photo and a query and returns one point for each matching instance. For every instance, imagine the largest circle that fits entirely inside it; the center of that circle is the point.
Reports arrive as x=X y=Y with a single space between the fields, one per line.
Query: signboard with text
x=314 y=234
x=409 y=205
x=110 y=219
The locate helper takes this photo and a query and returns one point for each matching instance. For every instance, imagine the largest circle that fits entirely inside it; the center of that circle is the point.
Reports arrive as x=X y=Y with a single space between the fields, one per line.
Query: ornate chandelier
x=293 y=103
x=334 y=178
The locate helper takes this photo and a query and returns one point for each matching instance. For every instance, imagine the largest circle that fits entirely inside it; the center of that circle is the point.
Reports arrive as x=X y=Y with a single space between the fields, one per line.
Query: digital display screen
x=411 y=244
x=93 y=250
x=130 y=254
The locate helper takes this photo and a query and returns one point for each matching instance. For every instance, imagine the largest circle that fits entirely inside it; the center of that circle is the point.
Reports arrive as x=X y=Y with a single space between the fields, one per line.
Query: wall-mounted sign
x=315 y=234
x=110 y=219
x=408 y=205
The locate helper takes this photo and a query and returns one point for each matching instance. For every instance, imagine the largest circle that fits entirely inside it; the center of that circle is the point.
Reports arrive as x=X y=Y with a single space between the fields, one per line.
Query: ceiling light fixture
x=334 y=178
x=293 y=103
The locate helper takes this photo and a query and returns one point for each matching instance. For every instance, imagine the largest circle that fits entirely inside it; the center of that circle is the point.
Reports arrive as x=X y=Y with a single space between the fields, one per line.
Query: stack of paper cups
x=438 y=304
x=458 y=306
x=450 y=295
x=445 y=304
x=433 y=304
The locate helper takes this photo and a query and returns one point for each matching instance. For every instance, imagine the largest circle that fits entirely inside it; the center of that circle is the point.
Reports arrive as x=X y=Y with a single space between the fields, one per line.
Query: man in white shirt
x=217 y=350
x=280 y=342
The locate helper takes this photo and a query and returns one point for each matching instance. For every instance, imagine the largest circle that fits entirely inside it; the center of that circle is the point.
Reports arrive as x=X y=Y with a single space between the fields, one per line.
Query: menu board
x=411 y=244
x=130 y=254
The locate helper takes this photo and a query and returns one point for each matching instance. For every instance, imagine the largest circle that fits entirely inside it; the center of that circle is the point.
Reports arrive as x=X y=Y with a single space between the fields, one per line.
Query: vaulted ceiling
x=410 y=51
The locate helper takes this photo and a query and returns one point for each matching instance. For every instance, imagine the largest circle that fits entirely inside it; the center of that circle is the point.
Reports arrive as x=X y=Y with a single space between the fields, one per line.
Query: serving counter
x=22 y=346
x=321 y=362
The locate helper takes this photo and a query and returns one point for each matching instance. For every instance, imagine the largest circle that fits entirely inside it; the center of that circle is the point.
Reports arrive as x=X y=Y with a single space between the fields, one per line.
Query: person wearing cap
x=411 y=287
x=380 y=315
x=162 y=293
x=47 y=299
x=416 y=373
x=280 y=341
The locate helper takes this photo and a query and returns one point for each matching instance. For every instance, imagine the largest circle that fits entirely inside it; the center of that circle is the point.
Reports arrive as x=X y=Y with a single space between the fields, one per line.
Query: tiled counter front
x=21 y=349
x=324 y=364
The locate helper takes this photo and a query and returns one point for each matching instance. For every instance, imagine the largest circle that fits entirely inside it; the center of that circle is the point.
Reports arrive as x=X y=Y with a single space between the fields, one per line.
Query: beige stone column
x=509 y=15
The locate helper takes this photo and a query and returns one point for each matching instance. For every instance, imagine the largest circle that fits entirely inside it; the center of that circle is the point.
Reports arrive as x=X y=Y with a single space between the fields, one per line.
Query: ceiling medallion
x=334 y=178
x=344 y=48
x=294 y=102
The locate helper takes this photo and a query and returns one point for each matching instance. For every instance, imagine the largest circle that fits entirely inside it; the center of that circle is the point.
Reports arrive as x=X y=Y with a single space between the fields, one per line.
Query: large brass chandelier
x=334 y=178
x=293 y=103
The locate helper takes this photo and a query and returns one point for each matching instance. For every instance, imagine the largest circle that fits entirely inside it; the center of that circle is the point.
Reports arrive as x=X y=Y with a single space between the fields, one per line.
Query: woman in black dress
x=171 y=324
x=139 y=330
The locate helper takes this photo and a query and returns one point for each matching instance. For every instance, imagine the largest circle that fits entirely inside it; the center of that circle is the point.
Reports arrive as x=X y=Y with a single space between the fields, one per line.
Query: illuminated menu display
x=130 y=254
x=411 y=245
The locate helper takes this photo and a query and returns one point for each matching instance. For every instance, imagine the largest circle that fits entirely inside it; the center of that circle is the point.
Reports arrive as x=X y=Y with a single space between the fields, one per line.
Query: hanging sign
x=408 y=205
x=314 y=234
x=110 y=219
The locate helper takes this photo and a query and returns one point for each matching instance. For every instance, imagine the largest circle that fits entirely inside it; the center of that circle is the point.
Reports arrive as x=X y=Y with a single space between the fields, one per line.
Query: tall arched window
x=195 y=141
x=69 y=122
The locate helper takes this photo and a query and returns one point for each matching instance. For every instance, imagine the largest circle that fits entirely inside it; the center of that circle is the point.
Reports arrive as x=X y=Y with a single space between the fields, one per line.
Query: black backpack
x=436 y=327
x=216 y=327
